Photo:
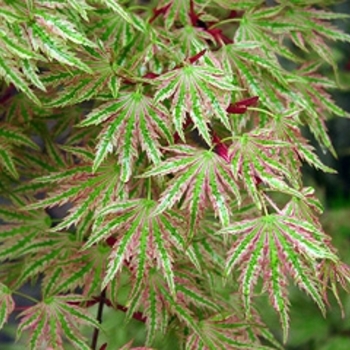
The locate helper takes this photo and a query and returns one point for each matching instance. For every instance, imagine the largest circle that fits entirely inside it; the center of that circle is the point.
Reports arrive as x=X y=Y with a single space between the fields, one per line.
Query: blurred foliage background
x=309 y=330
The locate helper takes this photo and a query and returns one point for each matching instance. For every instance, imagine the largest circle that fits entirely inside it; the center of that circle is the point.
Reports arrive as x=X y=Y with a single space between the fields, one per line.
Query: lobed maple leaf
x=202 y=179
x=188 y=303
x=23 y=232
x=143 y=239
x=131 y=121
x=10 y=138
x=83 y=190
x=316 y=102
x=286 y=127
x=333 y=273
x=199 y=90
x=56 y=318
x=311 y=29
x=229 y=332
x=7 y=304
x=275 y=246
x=66 y=270
x=26 y=235
x=255 y=160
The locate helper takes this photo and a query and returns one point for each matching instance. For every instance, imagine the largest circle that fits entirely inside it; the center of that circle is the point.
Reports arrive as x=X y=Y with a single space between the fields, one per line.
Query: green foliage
x=170 y=140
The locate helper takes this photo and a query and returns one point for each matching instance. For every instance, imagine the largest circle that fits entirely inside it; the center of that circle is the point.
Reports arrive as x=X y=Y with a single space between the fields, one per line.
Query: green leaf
x=6 y=160
x=11 y=74
x=275 y=246
x=141 y=223
x=81 y=90
x=165 y=257
x=201 y=91
x=120 y=118
x=30 y=72
x=16 y=48
x=187 y=317
x=203 y=177
x=55 y=50
x=7 y=304
x=62 y=28
x=115 y=6
x=117 y=257
x=60 y=316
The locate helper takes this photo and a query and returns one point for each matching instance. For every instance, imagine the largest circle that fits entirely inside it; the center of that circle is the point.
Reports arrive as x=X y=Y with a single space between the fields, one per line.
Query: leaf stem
x=261 y=110
x=149 y=189
x=99 y=319
x=228 y=138
x=265 y=211
x=229 y=20
x=28 y=297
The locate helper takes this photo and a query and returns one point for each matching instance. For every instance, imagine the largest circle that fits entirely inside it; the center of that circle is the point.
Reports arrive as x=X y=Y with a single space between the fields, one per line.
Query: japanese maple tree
x=169 y=135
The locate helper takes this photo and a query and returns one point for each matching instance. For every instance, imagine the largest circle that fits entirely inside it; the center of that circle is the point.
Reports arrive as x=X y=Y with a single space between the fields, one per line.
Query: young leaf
x=203 y=178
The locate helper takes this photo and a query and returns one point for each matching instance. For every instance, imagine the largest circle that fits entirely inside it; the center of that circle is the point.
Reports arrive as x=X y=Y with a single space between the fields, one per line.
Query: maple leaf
x=132 y=121
x=286 y=128
x=66 y=270
x=23 y=232
x=54 y=319
x=148 y=238
x=262 y=25
x=125 y=15
x=83 y=190
x=255 y=158
x=7 y=304
x=307 y=209
x=258 y=68
x=26 y=235
x=109 y=64
x=316 y=102
x=10 y=137
x=312 y=29
x=202 y=179
x=81 y=86
x=188 y=303
x=199 y=90
x=228 y=332
x=276 y=246
x=333 y=273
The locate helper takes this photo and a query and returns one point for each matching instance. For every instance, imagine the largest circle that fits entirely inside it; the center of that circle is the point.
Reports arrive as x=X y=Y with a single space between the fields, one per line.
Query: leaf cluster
x=169 y=138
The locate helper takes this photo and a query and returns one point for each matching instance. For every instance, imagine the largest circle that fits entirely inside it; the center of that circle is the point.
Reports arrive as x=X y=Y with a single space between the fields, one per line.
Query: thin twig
x=99 y=319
